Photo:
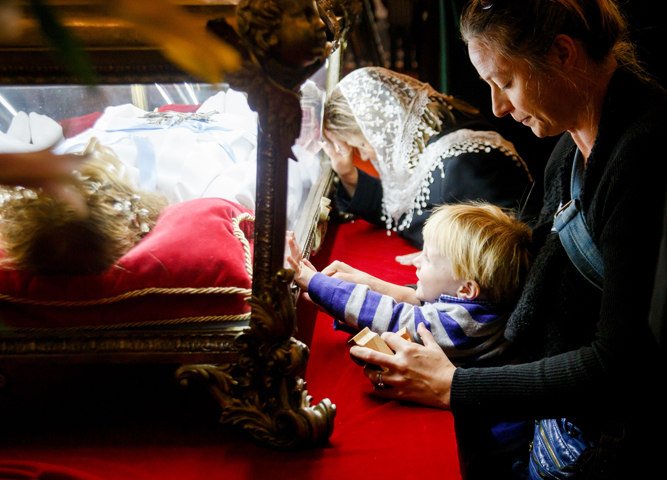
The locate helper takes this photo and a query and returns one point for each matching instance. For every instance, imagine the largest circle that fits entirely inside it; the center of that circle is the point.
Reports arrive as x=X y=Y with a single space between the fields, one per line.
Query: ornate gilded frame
x=253 y=372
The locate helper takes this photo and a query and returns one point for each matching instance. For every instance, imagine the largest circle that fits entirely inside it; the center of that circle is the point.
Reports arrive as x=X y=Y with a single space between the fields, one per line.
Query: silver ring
x=379 y=383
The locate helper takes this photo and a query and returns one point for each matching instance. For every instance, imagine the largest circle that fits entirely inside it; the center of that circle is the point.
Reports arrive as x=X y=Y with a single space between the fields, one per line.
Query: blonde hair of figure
x=44 y=235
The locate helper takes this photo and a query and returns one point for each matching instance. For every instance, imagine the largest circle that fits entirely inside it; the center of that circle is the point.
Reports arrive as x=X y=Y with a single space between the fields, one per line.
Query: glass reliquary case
x=202 y=283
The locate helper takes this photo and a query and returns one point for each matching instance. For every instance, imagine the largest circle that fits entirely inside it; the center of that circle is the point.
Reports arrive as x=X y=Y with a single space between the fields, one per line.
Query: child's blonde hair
x=484 y=244
x=44 y=235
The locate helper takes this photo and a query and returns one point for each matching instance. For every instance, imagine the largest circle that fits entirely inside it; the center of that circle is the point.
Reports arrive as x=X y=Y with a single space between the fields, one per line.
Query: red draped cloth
x=372 y=438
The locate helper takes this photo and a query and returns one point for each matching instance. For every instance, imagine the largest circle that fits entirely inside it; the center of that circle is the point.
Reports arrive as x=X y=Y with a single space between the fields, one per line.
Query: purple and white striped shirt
x=468 y=331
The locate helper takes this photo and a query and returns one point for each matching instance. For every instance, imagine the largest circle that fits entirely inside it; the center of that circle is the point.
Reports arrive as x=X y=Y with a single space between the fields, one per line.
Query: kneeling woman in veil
x=429 y=149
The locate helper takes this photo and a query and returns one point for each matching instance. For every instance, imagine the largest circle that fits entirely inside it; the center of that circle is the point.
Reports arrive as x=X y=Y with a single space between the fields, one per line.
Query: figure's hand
x=54 y=174
x=303 y=269
x=416 y=373
x=340 y=153
x=408 y=259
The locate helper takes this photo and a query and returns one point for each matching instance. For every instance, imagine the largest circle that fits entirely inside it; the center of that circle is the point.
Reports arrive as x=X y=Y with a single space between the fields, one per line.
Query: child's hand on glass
x=303 y=269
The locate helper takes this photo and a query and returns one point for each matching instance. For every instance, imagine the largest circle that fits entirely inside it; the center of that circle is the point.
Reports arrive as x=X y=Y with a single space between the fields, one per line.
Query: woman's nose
x=500 y=104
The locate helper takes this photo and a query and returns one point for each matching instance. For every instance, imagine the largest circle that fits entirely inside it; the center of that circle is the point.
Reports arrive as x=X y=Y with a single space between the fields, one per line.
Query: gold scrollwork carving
x=263 y=393
x=340 y=16
x=322 y=224
x=282 y=43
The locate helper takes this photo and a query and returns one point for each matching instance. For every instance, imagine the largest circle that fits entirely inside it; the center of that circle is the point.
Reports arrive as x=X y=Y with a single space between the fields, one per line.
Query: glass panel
x=305 y=171
x=174 y=151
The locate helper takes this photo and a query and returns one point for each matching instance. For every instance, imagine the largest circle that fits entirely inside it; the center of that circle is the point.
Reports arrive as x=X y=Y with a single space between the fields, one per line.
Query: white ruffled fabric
x=181 y=163
x=30 y=133
x=190 y=160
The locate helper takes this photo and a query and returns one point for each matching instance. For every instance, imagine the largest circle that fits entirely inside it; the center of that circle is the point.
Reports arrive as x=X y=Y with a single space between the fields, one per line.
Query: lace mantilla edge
x=238 y=233
x=450 y=146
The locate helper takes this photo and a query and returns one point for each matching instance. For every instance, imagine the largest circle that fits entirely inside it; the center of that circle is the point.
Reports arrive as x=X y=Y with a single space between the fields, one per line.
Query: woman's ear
x=564 y=52
x=468 y=290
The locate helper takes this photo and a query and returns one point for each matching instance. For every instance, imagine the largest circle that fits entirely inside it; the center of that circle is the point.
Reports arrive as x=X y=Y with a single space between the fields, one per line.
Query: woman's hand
x=416 y=373
x=341 y=155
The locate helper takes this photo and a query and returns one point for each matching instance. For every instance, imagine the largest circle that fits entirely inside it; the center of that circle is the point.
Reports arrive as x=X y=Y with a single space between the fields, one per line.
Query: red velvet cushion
x=76 y=125
x=165 y=279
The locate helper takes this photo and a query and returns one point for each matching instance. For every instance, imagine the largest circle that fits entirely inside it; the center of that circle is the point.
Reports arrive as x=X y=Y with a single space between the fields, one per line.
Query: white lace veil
x=391 y=110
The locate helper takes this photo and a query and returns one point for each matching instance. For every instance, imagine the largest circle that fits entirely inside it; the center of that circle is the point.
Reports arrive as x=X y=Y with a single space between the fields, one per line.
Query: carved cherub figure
x=284 y=34
x=283 y=42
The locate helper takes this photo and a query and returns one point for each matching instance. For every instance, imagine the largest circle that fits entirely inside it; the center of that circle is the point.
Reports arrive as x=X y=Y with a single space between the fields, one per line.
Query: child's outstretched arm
x=465 y=335
x=303 y=269
x=399 y=293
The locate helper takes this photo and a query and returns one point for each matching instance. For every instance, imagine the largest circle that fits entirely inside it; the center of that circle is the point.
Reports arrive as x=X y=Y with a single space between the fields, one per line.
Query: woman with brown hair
x=566 y=67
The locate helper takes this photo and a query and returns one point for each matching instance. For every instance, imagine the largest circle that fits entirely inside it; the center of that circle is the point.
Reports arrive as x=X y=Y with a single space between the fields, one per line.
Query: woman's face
x=344 y=145
x=543 y=104
x=366 y=151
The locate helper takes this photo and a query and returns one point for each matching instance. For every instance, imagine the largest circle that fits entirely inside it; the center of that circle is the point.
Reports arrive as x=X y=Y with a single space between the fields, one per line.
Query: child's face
x=435 y=276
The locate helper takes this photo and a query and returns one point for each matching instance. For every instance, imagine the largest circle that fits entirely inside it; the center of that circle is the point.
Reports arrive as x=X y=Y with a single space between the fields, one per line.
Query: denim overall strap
x=571 y=226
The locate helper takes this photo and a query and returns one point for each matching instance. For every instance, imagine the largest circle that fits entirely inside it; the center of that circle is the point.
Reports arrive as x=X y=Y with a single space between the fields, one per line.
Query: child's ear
x=468 y=290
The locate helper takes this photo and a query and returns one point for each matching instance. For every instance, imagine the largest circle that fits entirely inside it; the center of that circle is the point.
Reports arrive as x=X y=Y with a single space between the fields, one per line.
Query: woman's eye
x=507 y=85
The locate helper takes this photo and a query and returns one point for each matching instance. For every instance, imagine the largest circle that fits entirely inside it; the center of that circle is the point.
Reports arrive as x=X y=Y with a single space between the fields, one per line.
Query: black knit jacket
x=491 y=176
x=590 y=352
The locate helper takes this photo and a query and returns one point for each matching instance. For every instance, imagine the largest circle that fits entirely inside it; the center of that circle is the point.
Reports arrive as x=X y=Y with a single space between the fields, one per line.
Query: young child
x=470 y=273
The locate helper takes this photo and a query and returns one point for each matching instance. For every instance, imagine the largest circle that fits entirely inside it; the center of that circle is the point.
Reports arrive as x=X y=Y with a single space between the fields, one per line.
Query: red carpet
x=141 y=427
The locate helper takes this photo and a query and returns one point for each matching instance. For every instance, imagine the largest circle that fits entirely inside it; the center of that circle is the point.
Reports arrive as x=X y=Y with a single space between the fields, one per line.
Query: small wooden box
x=370 y=339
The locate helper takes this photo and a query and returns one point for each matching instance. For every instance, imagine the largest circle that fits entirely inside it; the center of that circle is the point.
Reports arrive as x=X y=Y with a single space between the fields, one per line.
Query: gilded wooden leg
x=263 y=392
